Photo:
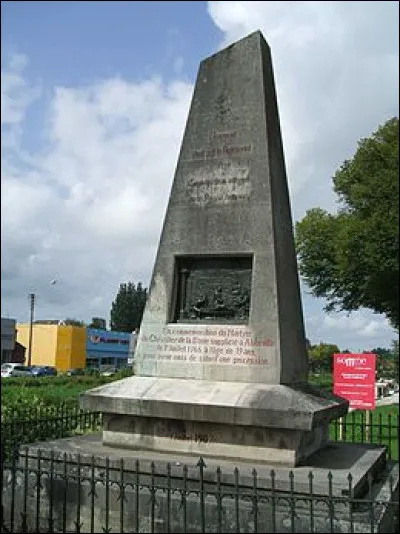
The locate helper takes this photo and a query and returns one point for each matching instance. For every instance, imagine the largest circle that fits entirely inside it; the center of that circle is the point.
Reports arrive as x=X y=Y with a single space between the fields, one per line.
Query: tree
x=395 y=349
x=99 y=323
x=352 y=258
x=383 y=359
x=128 y=306
x=387 y=361
x=69 y=321
x=320 y=356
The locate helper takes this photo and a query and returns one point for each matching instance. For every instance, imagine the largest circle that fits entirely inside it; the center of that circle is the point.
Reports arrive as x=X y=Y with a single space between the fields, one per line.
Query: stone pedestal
x=254 y=422
x=221 y=362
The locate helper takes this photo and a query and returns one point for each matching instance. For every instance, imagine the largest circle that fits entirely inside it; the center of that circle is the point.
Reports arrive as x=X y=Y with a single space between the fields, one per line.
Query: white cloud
x=89 y=208
x=336 y=70
x=336 y=67
x=359 y=331
x=362 y=326
x=88 y=205
x=16 y=94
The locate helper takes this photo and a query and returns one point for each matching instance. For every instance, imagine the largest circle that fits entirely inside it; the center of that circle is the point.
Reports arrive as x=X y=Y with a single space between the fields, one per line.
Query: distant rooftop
x=48 y=321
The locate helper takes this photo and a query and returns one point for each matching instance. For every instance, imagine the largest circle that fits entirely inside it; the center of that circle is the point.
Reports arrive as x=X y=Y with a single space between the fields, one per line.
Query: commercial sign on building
x=354 y=379
x=107 y=341
x=104 y=347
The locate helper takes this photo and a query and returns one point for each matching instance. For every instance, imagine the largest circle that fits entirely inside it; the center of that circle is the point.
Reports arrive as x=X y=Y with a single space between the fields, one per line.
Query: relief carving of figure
x=218 y=299
x=240 y=300
x=199 y=305
x=217 y=296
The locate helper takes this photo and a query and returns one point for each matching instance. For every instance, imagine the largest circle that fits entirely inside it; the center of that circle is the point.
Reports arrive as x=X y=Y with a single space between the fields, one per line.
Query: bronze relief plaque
x=213 y=289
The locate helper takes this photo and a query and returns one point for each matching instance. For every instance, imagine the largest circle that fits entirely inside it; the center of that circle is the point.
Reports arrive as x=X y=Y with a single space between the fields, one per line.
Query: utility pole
x=32 y=298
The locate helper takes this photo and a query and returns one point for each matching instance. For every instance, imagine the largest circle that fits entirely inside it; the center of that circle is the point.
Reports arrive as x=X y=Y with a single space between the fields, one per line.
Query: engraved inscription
x=225 y=180
x=203 y=154
x=220 y=345
x=222 y=147
x=223 y=136
x=196 y=437
x=219 y=190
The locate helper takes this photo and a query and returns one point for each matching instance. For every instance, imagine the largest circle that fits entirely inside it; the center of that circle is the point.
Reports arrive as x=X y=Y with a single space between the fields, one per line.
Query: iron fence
x=363 y=427
x=44 y=491
x=44 y=424
x=31 y=426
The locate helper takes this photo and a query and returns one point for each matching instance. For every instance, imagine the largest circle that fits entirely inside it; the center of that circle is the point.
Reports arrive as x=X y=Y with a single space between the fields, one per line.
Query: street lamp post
x=32 y=299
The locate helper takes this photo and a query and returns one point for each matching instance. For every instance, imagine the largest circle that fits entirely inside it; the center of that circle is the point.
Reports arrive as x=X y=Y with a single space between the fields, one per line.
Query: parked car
x=106 y=370
x=38 y=370
x=50 y=371
x=75 y=372
x=14 y=369
x=43 y=370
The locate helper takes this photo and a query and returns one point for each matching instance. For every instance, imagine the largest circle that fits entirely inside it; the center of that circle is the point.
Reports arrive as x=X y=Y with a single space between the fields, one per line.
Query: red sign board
x=354 y=379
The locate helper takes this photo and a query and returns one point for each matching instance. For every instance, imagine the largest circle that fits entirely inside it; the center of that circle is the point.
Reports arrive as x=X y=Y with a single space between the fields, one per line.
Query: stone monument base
x=276 y=424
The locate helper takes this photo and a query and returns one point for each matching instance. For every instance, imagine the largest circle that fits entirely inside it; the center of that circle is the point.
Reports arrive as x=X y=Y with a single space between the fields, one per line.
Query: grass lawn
x=49 y=390
x=66 y=389
x=381 y=428
x=323 y=380
x=50 y=394
x=20 y=396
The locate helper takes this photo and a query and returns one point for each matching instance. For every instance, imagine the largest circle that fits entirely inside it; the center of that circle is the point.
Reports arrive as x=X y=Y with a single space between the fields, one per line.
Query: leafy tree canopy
x=128 y=306
x=320 y=356
x=352 y=257
x=70 y=321
x=99 y=323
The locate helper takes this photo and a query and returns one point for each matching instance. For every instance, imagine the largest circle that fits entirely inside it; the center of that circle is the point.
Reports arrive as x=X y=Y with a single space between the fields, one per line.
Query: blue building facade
x=106 y=348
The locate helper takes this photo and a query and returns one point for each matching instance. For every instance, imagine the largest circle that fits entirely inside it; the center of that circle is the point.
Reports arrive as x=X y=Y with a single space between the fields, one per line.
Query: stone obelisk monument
x=221 y=363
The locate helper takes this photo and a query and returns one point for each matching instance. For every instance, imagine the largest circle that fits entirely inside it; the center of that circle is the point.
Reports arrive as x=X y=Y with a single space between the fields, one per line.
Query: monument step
x=297 y=407
x=329 y=467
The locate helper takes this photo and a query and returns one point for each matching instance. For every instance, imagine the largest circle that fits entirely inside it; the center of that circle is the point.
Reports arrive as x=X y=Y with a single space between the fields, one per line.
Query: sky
x=94 y=100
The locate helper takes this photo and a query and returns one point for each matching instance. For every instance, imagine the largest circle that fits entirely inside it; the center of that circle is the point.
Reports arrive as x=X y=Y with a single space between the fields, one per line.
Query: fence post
x=368 y=421
x=340 y=428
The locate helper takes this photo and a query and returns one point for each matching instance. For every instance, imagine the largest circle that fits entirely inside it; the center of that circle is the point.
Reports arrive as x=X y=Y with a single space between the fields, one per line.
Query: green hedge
x=62 y=380
x=36 y=422
x=19 y=393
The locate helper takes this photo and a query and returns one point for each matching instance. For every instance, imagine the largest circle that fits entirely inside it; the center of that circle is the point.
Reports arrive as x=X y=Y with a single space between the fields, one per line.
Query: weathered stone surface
x=221 y=352
x=260 y=422
x=301 y=408
x=230 y=200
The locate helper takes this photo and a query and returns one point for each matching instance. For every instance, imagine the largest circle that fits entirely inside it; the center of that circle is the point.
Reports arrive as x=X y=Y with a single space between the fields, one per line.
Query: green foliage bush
x=30 y=420
x=61 y=380
x=45 y=408
x=351 y=257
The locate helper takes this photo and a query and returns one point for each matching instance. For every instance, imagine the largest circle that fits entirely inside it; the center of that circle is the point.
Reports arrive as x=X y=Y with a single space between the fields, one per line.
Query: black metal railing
x=48 y=423
x=45 y=424
x=44 y=491
x=375 y=428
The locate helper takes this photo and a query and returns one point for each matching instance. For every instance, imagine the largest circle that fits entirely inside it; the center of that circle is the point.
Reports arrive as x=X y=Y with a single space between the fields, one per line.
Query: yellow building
x=60 y=346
